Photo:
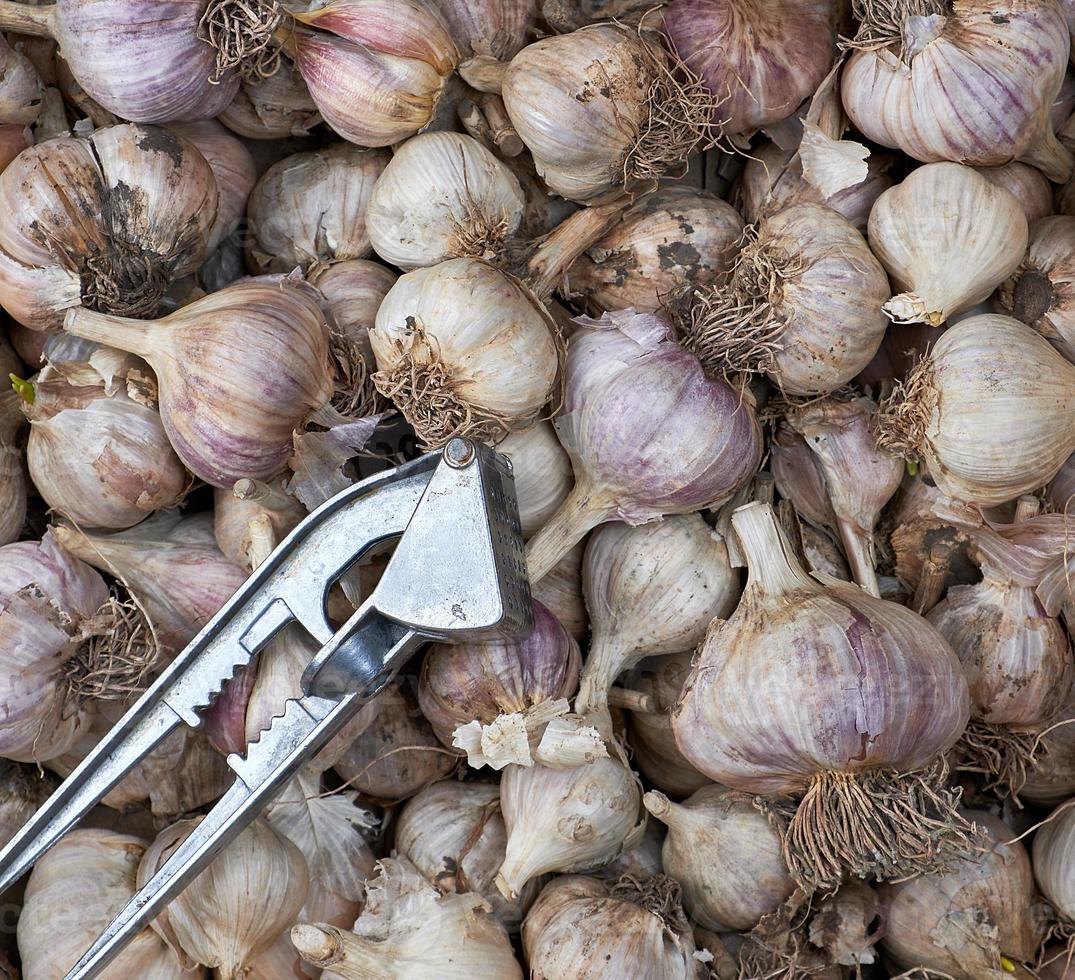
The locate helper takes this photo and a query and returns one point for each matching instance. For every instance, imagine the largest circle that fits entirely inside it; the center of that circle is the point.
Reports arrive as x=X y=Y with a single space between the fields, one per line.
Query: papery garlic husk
x=542 y=472
x=1026 y=184
x=581 y=927
x=973 y=921
x=802 y=303
x=454 y=834
x=602 y=108
x=147 y=205
x=989 y=411
x=49 y=603
x=239 y=370
x=238 y=905
x=311 y=208
x=1052 y=777
x=21 y=90
x=650 y=590
x=675 y=237
x=398 y=755
x=252 y=516
x=100 y=461
x=948 y=237
x=443 y=196
x=560 y=591
x=72 y=895
x=22 y=790
x=567 y=819
x=758 y=69
x=13 y=488
x=1040 y=292
x=490 y=27
x=411 y=931
x=233 y=166
x=464 y=682
x=773 y=180
x=851 y=739
x=375 y=68
x=859 y=478
x=1054 y=861
x=648 y=434
x=725 y=854
x=464 y=349
x=171 y=565
x=927 y=80
x=272 y=108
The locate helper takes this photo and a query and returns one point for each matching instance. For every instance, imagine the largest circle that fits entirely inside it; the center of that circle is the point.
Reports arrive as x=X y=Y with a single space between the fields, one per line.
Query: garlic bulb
x=560 y=591
x=410 y=931
x=566 y=819
x=650 y=590
x=1040 y=291
x=239 y=370
x=675 y=237
x=600 y=108
x=72 y=895
x=822 y=725
x=542 y=473
x=1026 y=184
x=100 y=461
x=238 y=905
x=725 y=854
x=490 y=27
x=463 y=682
x=147 y=205
x=648 y=434
x=252 y=518
x=12 y=472
x=21 y=91
x=973 y=921
x=989 y=411
x=311 y=208
x=581 y=928
x=1052 y=777
x=1054 y=861
x=948 y=237
x=170 y=564
x=375 y=68
x=454 y=834
x=443 y=196
x=859 y=478
x=399 y=755
x=354 y=291
x=802 y=303
x=758 y=69
x=462 y=348
x=945 y=82
x=272 y=108
x=22 y=790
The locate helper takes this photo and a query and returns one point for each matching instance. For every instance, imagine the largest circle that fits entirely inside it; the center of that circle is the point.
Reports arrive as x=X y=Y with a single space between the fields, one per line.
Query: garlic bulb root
x=241 y=32
x=1004 y=755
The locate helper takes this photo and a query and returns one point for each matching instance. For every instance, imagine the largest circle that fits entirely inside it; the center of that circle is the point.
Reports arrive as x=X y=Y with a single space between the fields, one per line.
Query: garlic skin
x=674 y=237
x=758 y=69
x=21 y=91
x=239 y=370
x=948 y=237
x=989 y=411
x=148 y=201
x=725 y=854
x=354 y=291
x=1054 y=861
x=926 y=87
x=1026 y=184
x=1040 y=291
x=454 y=834
x=103 y=462
x=964 y=920
x=483 y=350
x=560 y=591
x=1052 y=779
x=375 y=68
x=650 y=590
x=491 y=27
x=272 y=108
x=238 y=905
x=99 y=867
x=442 y=196
x=803 y=303
x=408 y=930
x=542 y=472
x=311 y=208
x=580 y=928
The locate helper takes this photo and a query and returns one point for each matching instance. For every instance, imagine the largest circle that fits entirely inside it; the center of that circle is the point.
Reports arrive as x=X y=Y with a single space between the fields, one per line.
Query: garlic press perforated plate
x=457 y=573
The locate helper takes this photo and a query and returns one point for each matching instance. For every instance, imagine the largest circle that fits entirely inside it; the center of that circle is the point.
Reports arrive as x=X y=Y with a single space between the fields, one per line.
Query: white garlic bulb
x=443 y=195
x=948 y=237
x=561 y=593
x=542 y=471
x=72 y=895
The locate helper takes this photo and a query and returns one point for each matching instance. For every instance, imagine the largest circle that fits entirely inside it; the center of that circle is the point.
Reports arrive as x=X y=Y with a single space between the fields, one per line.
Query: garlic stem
x=482 y=72
x=659 y=805
x=19 y=17
x=931 y=581
x=769 y=555
x=637 y=701
x=1026 y=507
x=558 y=252
x=503 y=132
x=856 y=544
x=583 y=509
x=272 y=498
x=113 y=331
x=326 y=946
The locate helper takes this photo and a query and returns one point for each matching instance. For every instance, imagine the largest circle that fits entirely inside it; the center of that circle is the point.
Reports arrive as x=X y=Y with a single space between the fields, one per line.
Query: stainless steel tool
x=457 y=573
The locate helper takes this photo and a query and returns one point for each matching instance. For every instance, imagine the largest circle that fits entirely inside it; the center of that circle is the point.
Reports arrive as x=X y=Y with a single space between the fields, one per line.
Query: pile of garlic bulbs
x=770 y=305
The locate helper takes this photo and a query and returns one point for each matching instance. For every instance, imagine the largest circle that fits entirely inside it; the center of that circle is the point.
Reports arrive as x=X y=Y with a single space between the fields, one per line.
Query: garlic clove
x=252 y=518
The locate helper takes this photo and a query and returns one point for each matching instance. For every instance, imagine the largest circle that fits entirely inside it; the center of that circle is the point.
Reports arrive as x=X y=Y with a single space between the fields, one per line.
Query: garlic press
x=457 y=573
